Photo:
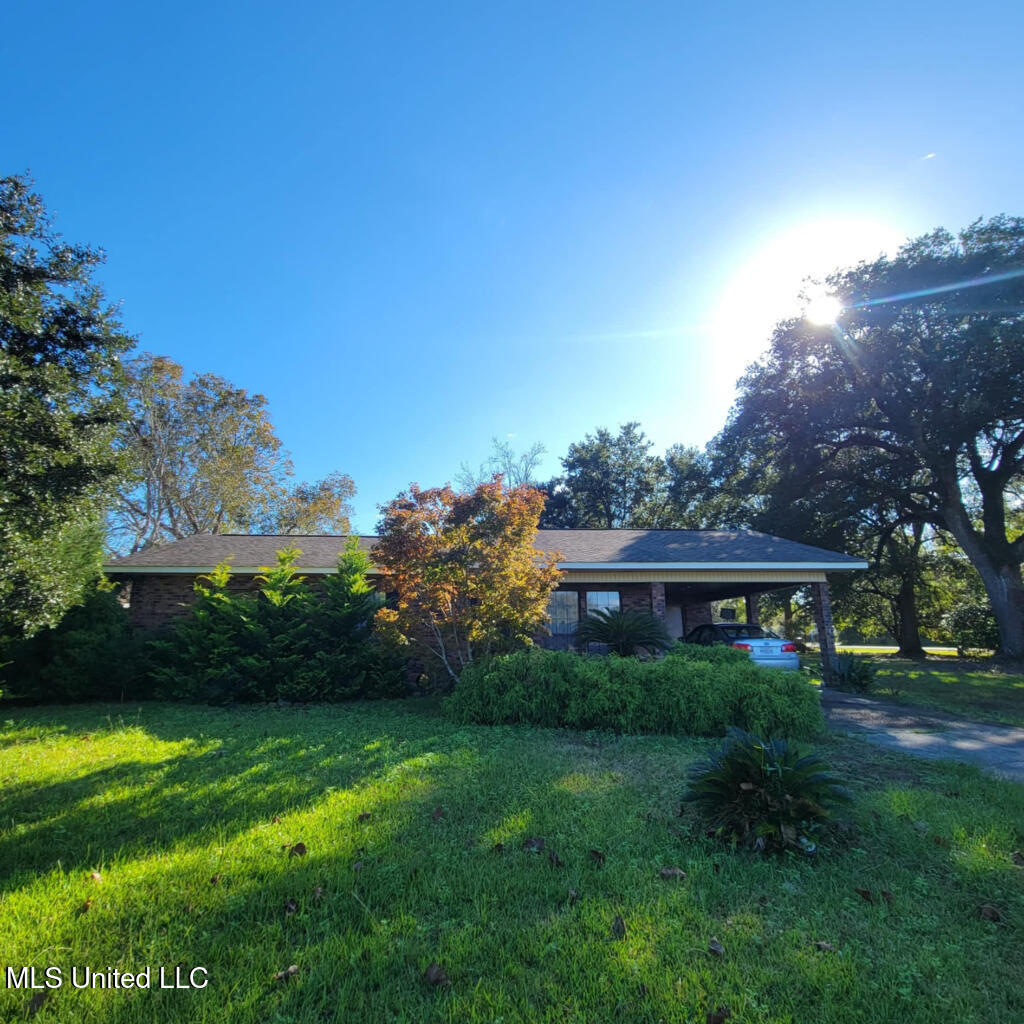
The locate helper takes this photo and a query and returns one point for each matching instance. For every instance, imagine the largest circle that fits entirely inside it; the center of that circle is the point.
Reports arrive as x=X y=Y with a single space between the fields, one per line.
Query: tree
x=922 y=379
x=205 y=459
x=60 y=342
x=466 y=578
x=611 y=481
x=517 y=469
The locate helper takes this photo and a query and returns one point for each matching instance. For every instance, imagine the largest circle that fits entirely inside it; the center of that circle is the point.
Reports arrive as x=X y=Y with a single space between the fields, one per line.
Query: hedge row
x=700 y=691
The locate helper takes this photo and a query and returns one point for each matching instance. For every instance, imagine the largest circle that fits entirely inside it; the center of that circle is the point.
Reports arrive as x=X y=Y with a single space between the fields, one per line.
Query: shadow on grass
x=389 y=885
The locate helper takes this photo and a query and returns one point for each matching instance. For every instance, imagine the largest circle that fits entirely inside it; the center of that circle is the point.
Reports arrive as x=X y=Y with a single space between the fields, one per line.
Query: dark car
x=764 y=647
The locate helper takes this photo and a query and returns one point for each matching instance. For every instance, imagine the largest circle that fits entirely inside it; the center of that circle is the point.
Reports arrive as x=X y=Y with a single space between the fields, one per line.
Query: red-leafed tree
x=467 y=578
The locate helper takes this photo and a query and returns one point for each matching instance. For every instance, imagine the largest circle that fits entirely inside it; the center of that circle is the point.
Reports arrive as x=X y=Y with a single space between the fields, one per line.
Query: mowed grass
x=186 y=815
x=973 y=689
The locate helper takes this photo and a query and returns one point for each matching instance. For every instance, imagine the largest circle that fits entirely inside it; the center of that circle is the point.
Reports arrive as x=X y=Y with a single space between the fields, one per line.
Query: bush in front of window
x=701 y=691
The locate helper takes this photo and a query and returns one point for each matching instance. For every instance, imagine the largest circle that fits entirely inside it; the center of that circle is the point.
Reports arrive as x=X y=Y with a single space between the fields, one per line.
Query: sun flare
x=769 y=284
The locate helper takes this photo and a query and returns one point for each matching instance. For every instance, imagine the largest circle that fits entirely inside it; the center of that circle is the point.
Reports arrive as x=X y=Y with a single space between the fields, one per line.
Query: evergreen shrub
x=284 y=642
x=91 y=654
x=700 y=691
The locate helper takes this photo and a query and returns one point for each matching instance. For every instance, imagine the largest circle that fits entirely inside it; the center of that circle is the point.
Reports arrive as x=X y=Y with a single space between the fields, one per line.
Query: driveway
x=996 y=749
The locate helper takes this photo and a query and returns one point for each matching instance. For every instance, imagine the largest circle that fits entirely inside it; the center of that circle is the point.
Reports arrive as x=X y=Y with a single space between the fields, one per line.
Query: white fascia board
x=716 y=566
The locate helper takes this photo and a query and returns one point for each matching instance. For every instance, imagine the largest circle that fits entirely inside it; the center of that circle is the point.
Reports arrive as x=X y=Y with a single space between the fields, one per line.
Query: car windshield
x=741 y=631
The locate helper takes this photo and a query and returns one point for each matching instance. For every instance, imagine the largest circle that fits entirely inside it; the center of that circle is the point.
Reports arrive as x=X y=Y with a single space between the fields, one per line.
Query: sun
x=823 y=309
x=770 y=277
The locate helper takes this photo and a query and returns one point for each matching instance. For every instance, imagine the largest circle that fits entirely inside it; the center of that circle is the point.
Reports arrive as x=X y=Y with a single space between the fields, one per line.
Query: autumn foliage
x=462 y=566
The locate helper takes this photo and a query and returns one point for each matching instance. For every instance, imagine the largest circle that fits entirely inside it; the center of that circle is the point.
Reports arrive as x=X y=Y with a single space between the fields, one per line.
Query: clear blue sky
x=415 y=226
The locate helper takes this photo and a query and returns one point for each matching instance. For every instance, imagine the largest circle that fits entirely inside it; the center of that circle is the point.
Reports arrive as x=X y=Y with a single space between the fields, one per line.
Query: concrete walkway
x=997 y=749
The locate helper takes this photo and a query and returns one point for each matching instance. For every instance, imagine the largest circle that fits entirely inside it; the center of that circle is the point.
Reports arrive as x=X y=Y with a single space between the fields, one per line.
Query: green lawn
x=968 y=688
x=186 y=816
x=981 y=690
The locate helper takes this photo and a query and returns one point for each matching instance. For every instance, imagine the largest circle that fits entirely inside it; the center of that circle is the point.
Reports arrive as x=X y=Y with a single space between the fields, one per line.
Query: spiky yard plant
x=762 y=793
x=624 y=632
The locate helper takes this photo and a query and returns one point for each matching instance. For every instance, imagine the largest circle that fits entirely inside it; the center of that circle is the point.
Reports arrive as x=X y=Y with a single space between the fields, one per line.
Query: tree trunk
x=1002 y=580
x=908 y=621
x=1005 y=591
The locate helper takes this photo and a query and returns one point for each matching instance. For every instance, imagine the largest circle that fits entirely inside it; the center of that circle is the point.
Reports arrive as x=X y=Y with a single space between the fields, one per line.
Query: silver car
x=763 y=646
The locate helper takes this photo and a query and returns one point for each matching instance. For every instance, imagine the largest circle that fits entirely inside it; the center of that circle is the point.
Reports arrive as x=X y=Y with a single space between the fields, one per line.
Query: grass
x=186 y=816
x=972 y=689
x=981 y=690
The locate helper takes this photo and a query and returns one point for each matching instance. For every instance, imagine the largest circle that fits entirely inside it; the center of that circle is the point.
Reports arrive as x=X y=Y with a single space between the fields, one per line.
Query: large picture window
x=602 y=600
x=564 y=612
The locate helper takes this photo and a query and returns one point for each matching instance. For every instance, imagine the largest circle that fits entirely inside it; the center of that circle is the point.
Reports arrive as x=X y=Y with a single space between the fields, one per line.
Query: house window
x=564 y=612
x=602 y=600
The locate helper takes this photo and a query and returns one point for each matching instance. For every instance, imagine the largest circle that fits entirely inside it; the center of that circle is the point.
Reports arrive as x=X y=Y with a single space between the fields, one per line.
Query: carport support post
x=658 y=601
x=826 y=632
x=753 y=612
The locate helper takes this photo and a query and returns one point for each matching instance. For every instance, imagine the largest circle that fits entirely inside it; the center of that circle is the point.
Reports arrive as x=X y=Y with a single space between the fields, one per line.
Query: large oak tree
x=915 y=398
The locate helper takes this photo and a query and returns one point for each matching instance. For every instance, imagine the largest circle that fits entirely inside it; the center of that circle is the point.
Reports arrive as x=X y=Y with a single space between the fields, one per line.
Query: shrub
x=763 y=793
x=626 y=633
x=853 y=674
x=91 y=654
x=696 y=691
x=972 y=626
x=282 y=643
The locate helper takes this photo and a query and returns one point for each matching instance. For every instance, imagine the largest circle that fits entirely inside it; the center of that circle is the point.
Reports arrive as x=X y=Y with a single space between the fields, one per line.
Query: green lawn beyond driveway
x=367 y=864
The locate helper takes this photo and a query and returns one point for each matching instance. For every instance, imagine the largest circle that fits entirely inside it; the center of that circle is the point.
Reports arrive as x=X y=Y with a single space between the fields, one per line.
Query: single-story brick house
x=675 y=574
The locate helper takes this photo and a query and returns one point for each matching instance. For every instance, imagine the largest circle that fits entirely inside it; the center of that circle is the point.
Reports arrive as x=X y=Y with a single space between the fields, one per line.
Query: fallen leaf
x=438 y=813
x=290 y=907
x=318 y=893
x=887 y=896
x=498 y=848
x=35 y=1004
x=597 y=857
x=716 y=948
x=298 y=850
x=275 y=820
x=1018 y=858
x=746 y=786
x=619 y=927
x=435 y=974
x=719 y=1015
x=573 y=896
x=554 y=860
x=96 y=877
x=534 y=845
x=989 y=913
x=365 y=816
x=672 y=872
x=824 y=947
x=288 y=972
x=84 y=908
x=865 y=894
x=215 y=880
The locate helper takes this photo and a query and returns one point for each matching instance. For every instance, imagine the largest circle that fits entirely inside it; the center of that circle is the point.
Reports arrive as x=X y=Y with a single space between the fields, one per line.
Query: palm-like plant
x=624 y=632
x=763 y=793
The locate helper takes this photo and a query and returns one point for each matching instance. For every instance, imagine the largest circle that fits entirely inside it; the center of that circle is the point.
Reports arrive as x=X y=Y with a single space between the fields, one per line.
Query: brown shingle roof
x=600 y=547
